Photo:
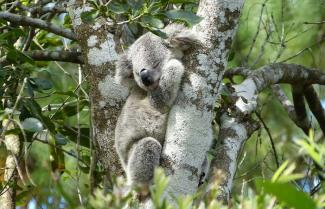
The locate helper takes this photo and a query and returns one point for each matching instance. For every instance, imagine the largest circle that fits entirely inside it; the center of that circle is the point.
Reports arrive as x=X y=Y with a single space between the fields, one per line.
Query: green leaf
x=89 y=16
x=288 y=194
x=158 y=188
x=23 y=197
x=153 y=21
x=40 y=84
x=60 y=139
x=311 y=151
x=280 y=171
x=15 y=55
x=33 y=107
x=72 y=134
x=32 y=125
x=189 y=17
x=118 y=8
x=12 y=35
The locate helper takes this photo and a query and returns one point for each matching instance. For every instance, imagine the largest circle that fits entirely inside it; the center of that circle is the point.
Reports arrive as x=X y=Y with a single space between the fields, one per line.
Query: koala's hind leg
x=144 y=158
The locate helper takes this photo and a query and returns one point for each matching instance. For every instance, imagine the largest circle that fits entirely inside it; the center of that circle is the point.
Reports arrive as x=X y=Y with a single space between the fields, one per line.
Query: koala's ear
x=124 y=73
x=180 y=37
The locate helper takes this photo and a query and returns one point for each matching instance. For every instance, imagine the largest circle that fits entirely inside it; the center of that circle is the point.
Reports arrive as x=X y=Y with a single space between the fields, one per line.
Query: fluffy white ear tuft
x=124 y=73
x=180 y=37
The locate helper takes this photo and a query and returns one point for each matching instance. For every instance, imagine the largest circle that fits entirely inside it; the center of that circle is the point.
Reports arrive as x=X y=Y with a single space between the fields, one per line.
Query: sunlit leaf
x=288 y=194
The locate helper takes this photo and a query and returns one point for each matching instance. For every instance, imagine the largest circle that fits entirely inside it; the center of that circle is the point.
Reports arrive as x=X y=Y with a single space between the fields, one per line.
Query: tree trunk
x=8 y=195
x=189 y=131
x=106 y=97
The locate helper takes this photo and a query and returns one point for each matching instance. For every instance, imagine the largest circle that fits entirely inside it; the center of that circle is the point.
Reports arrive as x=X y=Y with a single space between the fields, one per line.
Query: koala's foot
x=144 y=158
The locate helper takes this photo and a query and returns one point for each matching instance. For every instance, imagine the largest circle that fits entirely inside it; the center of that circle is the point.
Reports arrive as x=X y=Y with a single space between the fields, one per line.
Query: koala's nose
x=146 y=78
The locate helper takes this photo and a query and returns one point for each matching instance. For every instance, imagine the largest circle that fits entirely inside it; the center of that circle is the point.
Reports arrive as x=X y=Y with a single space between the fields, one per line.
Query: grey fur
x=141 y=126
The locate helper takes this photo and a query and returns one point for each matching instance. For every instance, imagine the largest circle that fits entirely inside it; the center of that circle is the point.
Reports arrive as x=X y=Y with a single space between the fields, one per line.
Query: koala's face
x=148 y=55
x=144 y=62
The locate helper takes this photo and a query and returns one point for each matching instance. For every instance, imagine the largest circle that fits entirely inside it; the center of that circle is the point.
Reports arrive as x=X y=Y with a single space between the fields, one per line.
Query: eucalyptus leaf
x=153 y=21
x=41 y=84
x=186 y=16
x=60 y=139
x=288 y=194
x=89 y=16
x=118 y=8
x=32 y=125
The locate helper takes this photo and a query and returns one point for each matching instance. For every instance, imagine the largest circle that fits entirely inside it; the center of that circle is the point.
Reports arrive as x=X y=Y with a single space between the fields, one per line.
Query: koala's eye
x=156 y=65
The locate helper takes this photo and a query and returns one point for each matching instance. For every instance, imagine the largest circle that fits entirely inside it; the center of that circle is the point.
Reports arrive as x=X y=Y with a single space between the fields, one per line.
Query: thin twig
x=302 y=51
x=320 y=22
x=78 y=136
x=256 y=34
x=271 y=139
x=315 y=106
x=61 y=149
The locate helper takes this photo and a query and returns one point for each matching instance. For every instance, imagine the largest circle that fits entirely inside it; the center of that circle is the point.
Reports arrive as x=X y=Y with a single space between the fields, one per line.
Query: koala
x=152 y=70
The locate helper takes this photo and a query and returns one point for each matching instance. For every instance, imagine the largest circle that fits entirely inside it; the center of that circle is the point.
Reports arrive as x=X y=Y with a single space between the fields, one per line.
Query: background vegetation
x=48 y=102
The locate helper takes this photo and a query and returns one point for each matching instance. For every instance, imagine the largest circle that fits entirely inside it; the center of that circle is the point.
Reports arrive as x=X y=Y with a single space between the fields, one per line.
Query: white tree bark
x=189 y=131
x=234 y=131
x=12 y=143
x=100 y=52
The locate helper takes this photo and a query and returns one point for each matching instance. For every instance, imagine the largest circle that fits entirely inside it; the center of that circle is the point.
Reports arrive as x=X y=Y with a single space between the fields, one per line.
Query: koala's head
x=143 y=63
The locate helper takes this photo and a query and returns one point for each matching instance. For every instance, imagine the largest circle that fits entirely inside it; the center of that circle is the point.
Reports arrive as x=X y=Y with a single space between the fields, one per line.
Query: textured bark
x=296 y=111
x=106 y=97
x=234 y=131
x=12 y=143
x=189 y=133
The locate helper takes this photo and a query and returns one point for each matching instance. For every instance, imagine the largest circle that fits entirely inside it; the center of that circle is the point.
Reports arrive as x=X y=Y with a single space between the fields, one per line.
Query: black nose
x=146 y=78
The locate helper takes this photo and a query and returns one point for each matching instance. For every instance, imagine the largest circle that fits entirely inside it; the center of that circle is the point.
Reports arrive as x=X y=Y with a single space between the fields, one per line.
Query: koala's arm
x=124 y=73
x=166 y=93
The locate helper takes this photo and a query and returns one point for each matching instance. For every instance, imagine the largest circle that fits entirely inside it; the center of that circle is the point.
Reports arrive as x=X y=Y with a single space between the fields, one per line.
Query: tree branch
x=300 y=109
x=61 y=55
x=235 y=132
x=298 y=117
x=38 y=23
x=280 y=73
x=286 y=73
x=315 y=106
x=43 y=55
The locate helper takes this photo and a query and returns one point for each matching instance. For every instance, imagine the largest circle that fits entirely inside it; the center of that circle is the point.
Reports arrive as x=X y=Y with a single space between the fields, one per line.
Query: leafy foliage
x=50 y=107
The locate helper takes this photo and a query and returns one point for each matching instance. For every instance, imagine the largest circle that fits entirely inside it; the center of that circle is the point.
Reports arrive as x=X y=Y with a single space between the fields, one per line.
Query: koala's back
x=138 y=119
